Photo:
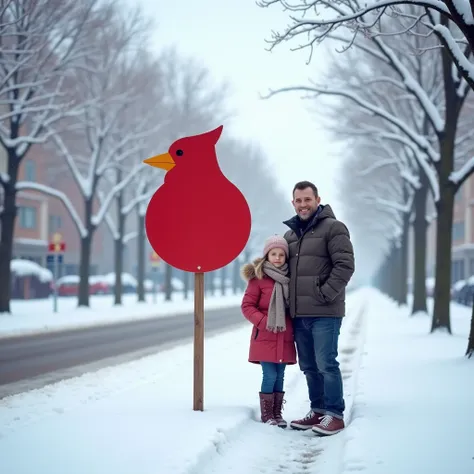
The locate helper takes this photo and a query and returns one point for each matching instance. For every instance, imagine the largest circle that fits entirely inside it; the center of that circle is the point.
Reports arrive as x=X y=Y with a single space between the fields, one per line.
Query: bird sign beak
x=164 y=161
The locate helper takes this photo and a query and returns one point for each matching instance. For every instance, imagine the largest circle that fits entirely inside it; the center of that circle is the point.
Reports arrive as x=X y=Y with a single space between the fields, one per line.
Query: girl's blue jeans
x=273 y=377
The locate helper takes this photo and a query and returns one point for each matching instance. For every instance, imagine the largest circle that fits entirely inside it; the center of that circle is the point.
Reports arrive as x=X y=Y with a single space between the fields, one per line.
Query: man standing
x=321 y=260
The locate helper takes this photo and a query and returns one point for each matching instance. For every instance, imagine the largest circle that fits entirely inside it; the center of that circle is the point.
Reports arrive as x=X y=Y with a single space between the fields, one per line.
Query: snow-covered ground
x=37 y=316
x=408 y=394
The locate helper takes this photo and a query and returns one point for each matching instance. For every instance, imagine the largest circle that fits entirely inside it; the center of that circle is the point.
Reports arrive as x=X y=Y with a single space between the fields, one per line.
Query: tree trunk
x=383 y=279
x=442 y=291
x=447 y=190
x=460 y=19
x=212 y=285
x=168 y=284
x=470 y=344
x=84 y=269
x=404 y=261
x=118 y=263
x=141 y=258
x=420 y=227
x=8 y=217
x=7 y=229
x=223 y=280
x=86 y=250
x=186 y=285
x=395 y=272
x=235 y=275
x=118 y=291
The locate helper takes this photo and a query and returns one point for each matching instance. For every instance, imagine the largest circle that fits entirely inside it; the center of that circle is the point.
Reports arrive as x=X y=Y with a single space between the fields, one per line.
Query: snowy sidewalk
x=414 y=408
x=37 y=316
x=138 y=418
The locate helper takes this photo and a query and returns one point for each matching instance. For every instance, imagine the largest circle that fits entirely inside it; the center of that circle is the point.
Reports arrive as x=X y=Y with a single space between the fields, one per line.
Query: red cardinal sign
x=197 y=221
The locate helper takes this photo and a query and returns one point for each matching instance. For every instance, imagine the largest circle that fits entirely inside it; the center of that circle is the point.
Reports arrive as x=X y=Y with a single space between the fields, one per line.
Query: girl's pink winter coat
x=265 y=346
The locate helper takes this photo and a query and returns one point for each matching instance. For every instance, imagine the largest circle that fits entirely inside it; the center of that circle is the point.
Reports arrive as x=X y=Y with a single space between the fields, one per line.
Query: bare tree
x=42 y=41
x=192 y=98
x=437 y=159
x=144 y=75
x=450 y=21
x=346 y=119
x=375 y=227
x=94 y=143
x=125 y=203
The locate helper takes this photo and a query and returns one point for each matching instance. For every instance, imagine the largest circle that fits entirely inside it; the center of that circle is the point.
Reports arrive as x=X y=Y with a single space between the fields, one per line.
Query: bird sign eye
x=179 y=152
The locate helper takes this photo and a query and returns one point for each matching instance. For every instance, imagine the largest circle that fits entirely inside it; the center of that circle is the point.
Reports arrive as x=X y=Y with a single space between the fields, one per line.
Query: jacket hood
x=252 y=270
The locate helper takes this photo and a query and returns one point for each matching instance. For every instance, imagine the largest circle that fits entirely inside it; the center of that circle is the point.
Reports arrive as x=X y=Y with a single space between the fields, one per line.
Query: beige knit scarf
x=279 y=299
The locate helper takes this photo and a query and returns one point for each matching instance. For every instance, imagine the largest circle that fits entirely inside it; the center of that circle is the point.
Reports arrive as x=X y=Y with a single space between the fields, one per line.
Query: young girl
x=265 y=305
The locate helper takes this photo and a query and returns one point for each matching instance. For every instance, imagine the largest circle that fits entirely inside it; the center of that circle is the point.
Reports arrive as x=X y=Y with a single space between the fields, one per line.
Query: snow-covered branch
x=465 y=67
x=128 y=237
x=97 y=218
x=108 y=218
x=382 y=53
x=303 y=24
x=403 y=208
x=458 y=177
x=27 y=185
x=377 y=165
x=71 y=163
x=419 y=140
x=318 y=20
x=421 y=159
x=134 y=202
x=41 y=43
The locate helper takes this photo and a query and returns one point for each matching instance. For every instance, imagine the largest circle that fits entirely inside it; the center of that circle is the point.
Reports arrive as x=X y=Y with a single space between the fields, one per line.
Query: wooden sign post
x=182 y=221
x=198 y=397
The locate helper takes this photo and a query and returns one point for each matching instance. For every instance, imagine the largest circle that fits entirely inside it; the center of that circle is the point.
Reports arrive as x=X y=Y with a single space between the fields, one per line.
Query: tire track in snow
x=263 y=449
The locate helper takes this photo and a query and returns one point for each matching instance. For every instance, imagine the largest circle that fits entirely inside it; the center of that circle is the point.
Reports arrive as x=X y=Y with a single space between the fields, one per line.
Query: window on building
x=471 y=267
x=55 y=223
x=457 y=271
x=27 y=217
x=458 y=231
x=70 y=269
x=30 y=170
x=459 y=195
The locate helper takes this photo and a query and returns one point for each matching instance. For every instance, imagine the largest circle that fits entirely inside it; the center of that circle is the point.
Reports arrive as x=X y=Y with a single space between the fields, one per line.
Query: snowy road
x=33 y=361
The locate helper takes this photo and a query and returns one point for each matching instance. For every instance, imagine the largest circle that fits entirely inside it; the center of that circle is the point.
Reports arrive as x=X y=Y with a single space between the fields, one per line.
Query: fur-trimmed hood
x=252 y=270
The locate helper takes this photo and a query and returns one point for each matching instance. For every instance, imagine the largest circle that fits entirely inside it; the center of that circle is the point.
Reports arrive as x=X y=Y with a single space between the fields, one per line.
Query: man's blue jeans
x=316 y=342
x=273 y=376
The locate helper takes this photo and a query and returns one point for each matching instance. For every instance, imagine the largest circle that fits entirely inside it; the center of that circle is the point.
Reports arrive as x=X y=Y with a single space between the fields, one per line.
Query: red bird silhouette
x=197 y=221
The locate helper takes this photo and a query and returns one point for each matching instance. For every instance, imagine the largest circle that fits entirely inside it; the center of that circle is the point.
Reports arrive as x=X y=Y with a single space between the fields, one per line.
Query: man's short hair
x=306 y=184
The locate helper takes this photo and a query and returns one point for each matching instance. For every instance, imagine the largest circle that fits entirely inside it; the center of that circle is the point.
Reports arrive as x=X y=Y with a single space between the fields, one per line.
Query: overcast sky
x=228 y=36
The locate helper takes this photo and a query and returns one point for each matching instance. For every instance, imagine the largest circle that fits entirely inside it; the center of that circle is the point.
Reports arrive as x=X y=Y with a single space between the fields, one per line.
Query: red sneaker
x=307 y=422
x=328 y=425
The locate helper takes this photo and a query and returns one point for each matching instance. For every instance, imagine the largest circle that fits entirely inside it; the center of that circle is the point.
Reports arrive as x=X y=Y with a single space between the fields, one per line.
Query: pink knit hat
x=275 y=242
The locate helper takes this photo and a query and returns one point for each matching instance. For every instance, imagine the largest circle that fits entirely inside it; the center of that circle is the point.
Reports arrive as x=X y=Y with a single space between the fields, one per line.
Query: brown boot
x=266 y=408
x=277 y=409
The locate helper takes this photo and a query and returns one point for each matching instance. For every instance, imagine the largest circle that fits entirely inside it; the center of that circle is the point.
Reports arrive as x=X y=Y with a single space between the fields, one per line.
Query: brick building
x=463 y=232
x=463 y=235
x=40 y=216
